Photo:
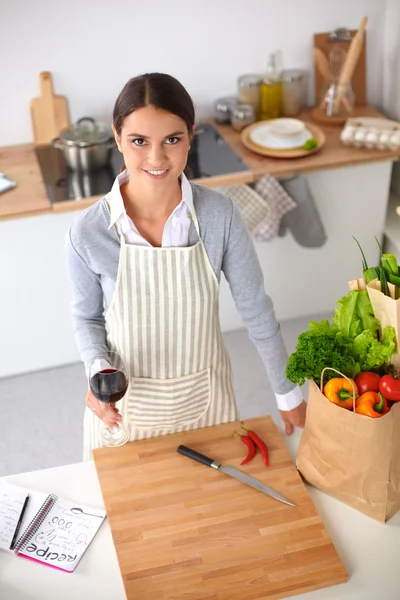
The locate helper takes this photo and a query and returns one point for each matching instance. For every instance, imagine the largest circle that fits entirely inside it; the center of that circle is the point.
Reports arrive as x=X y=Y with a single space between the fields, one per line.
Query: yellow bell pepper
x=340 y=391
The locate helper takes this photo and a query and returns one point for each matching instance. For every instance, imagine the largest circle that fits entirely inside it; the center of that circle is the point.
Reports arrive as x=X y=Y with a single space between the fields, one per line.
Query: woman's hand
x=294 y=418
x=106 y=412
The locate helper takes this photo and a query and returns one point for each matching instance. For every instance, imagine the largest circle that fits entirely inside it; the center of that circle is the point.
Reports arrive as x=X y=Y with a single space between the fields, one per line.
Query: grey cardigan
x=92 y=254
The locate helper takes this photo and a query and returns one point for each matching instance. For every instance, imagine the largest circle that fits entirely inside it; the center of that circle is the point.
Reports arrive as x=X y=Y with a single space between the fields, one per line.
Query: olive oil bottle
x=270 y=93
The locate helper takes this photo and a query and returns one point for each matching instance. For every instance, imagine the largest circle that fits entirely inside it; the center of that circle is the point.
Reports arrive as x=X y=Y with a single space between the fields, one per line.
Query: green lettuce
x=354 y=315
x=372 y=353
x=352 y=343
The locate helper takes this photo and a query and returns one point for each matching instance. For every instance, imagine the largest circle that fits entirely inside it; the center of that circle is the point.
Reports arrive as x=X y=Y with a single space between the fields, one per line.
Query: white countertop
x=369 y=550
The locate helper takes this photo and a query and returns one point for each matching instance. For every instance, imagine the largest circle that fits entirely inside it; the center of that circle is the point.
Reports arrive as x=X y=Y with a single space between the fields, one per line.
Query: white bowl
x=286 y=128
x=262 y=136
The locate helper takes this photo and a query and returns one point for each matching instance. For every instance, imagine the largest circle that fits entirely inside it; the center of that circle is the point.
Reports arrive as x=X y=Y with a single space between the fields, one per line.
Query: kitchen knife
x=239 y=475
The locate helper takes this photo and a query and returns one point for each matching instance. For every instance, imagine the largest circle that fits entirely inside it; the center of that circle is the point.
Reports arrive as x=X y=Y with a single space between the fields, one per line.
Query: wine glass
x=108 y=382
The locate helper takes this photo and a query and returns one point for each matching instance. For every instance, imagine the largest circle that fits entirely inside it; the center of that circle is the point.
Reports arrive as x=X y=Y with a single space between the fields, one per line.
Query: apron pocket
x=168 y=403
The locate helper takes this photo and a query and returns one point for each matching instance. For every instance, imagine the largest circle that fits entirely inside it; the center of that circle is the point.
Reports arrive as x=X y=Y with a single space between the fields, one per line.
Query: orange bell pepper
x=372 y=404
x=340 y=391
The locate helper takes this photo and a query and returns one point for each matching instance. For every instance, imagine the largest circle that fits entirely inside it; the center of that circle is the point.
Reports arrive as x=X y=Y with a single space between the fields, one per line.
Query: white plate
x=263 y=137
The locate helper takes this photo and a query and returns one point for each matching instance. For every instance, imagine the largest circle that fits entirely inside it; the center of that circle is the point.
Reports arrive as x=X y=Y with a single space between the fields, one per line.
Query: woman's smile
x=157 y=174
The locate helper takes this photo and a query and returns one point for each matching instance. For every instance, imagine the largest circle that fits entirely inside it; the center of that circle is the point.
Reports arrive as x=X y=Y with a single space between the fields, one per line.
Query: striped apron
x=164 y=320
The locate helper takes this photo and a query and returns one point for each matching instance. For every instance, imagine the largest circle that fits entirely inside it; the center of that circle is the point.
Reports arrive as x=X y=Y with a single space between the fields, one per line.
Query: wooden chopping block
x=183 y=531
x=49 y=113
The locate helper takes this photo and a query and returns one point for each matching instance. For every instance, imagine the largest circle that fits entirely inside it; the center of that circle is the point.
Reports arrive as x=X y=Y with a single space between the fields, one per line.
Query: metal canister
x=243 y=115
x=223 y=109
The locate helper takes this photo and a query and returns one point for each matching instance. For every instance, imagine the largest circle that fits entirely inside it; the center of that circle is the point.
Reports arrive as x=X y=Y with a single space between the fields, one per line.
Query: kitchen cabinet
x=351 y=189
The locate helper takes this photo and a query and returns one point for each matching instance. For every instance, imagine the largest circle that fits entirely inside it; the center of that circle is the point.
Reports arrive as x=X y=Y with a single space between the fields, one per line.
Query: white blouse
x=176 y=229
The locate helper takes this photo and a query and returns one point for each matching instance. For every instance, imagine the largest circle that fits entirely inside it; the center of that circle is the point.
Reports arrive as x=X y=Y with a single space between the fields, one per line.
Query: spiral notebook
x=52 y=531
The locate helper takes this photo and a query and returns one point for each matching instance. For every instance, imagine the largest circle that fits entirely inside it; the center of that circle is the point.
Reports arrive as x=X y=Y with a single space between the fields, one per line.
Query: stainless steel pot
x=87 y=145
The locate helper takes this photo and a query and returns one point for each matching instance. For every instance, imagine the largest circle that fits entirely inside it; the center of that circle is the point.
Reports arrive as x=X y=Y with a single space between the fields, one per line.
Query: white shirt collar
x=116 y=203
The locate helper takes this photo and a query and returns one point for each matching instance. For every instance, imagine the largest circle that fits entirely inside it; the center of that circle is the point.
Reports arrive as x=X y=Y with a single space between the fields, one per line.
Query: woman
x=144 y=265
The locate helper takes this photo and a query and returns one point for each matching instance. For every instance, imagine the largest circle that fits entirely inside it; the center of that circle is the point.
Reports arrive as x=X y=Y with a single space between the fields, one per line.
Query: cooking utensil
x=352 y=56
x=49 y=113
x=87 y=145
x=232 y=472
x=325 y=43
x=330 y=72
x=337 y=58
x=323 y=67
x=322 y=64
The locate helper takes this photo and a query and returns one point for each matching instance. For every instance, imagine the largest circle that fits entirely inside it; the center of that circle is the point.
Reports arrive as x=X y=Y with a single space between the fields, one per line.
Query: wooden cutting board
x=185 y=531
x=49 y=113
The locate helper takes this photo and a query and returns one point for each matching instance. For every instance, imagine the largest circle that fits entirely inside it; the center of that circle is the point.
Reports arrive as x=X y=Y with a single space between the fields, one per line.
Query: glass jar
x=249 y=90
x=337 y=99
x=293 y=91
x=243 y=115
x=223 y=109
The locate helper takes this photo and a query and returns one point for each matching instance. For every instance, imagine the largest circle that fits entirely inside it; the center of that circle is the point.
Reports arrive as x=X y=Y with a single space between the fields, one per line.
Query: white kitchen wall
x=391 y=73
x=92 y=47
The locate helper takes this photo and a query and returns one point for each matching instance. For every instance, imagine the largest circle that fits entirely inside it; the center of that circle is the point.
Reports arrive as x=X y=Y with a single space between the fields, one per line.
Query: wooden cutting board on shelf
x=185 y=531
x=49 y=113
x=322 y=41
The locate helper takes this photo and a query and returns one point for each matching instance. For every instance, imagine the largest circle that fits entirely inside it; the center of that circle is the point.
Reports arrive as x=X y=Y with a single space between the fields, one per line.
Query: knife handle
x=201 y=458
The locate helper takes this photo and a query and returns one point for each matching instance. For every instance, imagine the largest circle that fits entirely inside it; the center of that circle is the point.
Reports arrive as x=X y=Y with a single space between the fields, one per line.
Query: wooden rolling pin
x=323 y=67
x=351 y=60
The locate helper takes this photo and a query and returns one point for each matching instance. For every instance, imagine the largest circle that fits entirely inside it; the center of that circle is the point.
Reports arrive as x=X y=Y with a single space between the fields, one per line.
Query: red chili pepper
x=250 y=446
x=259 y=443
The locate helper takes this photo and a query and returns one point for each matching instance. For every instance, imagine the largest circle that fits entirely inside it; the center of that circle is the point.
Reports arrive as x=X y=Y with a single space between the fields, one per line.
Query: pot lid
x=86 y=132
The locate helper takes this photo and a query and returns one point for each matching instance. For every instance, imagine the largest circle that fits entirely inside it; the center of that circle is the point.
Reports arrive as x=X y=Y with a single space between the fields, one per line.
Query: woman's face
x=155 y=144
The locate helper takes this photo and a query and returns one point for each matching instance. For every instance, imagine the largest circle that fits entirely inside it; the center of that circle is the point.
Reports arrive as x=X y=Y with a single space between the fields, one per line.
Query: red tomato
x=390 y=387
x=368 y=382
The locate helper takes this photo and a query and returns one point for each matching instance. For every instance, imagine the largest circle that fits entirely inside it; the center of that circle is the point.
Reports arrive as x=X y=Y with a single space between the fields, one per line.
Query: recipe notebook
x=53 y=531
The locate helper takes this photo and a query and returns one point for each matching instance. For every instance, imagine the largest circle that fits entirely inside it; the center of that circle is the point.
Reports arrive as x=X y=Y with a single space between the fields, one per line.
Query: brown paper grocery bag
x=387 y=311
x=354 y=458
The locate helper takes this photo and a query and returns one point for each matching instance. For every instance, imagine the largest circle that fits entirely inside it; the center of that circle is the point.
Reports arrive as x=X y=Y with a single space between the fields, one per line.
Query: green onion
x=389 y=263
x=371 y=274
x=379 y=246
x=394 y=279
x=383 y=280
x=364 y=261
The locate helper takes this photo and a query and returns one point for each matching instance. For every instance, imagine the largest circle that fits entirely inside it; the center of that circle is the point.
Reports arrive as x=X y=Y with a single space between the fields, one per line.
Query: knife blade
x=236 y=473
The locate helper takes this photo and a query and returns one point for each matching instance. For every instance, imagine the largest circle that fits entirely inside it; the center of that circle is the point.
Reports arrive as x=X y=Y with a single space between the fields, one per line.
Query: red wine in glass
x=109 y=385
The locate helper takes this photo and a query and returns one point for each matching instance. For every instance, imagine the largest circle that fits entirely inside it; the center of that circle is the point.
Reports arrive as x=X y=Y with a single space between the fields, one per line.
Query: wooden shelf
x=29 y=197
x=332 y=156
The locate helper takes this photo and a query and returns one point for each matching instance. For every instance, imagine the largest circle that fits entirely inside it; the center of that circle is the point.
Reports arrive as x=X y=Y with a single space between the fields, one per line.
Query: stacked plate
x=282 y=137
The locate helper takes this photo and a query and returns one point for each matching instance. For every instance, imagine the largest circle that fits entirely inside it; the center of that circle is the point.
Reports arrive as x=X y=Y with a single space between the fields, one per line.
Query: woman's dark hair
x=154 y=89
